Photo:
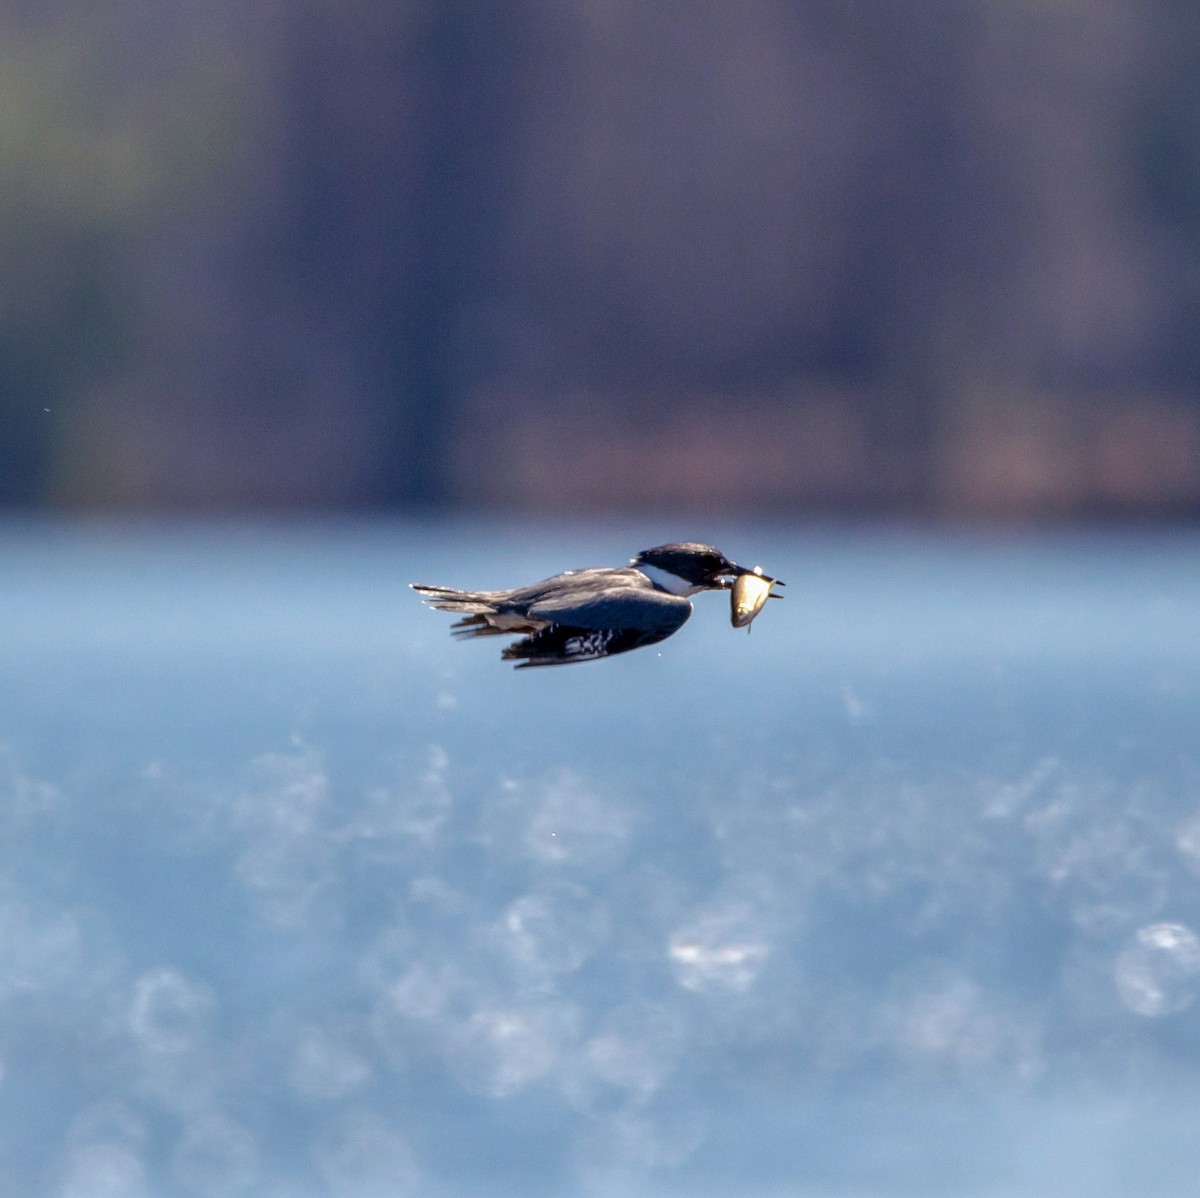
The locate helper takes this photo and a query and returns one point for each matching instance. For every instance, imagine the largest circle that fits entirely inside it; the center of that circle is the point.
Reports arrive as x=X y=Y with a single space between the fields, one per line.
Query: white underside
x=666 y=581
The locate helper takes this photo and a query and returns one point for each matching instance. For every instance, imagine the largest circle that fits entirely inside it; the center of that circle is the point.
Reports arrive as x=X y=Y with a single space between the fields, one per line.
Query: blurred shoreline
x=905 y=261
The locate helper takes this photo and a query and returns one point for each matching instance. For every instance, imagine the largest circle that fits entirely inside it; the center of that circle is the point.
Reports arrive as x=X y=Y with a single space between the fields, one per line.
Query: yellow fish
x=749 y=594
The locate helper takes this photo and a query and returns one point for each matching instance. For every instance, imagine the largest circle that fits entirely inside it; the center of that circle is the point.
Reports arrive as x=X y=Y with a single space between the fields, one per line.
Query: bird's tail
x=462 y=602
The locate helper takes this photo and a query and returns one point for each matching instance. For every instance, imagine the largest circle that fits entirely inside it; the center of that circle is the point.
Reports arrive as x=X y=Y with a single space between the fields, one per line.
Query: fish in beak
x=749 y=592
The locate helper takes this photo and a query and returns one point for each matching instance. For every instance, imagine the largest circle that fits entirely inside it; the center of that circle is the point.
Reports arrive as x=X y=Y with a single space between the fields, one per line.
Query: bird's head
x=684 y=569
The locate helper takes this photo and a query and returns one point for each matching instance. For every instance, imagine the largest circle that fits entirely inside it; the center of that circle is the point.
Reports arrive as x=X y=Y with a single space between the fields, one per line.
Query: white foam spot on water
x=1158 y=972
x=215 y=1158
x=722 y=948
x=554 y=930
x=500 y=1051
x=362 y=1156
x=168 y=1013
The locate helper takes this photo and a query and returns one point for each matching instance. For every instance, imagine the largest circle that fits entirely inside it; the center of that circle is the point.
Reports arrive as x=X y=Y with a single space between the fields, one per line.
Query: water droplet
x=723 y=948
x=1157 y=974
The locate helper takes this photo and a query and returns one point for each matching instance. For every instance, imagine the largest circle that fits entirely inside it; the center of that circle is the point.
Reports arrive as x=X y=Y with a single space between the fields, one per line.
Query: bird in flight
x=584 y=615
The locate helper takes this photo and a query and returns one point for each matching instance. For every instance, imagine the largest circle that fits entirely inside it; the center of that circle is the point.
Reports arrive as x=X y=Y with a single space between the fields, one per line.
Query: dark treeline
x=935 y=257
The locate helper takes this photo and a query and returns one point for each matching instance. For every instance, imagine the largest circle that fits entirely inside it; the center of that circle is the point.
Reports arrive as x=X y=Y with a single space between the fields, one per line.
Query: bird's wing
x=637 y=609
x=587 y=630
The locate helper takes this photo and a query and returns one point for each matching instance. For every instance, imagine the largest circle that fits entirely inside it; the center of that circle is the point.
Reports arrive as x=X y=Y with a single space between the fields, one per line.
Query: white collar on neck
x=666 y=581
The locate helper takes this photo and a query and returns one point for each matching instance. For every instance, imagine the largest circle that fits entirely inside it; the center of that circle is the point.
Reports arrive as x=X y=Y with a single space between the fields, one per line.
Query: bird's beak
x=725 y=578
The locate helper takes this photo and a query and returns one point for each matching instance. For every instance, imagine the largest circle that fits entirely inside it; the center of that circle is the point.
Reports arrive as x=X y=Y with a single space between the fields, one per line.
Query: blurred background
x=898 y=897
x=935 y=259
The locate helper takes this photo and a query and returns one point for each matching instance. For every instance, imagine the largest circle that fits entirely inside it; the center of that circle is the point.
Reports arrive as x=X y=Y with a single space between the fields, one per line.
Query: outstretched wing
x=603 y=626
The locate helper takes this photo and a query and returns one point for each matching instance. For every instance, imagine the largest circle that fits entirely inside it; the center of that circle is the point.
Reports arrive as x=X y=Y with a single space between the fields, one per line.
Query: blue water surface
x=897 y=895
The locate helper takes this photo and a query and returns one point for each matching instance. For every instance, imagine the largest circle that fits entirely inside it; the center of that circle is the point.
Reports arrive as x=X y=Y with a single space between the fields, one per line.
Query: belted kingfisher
x=583 y=615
